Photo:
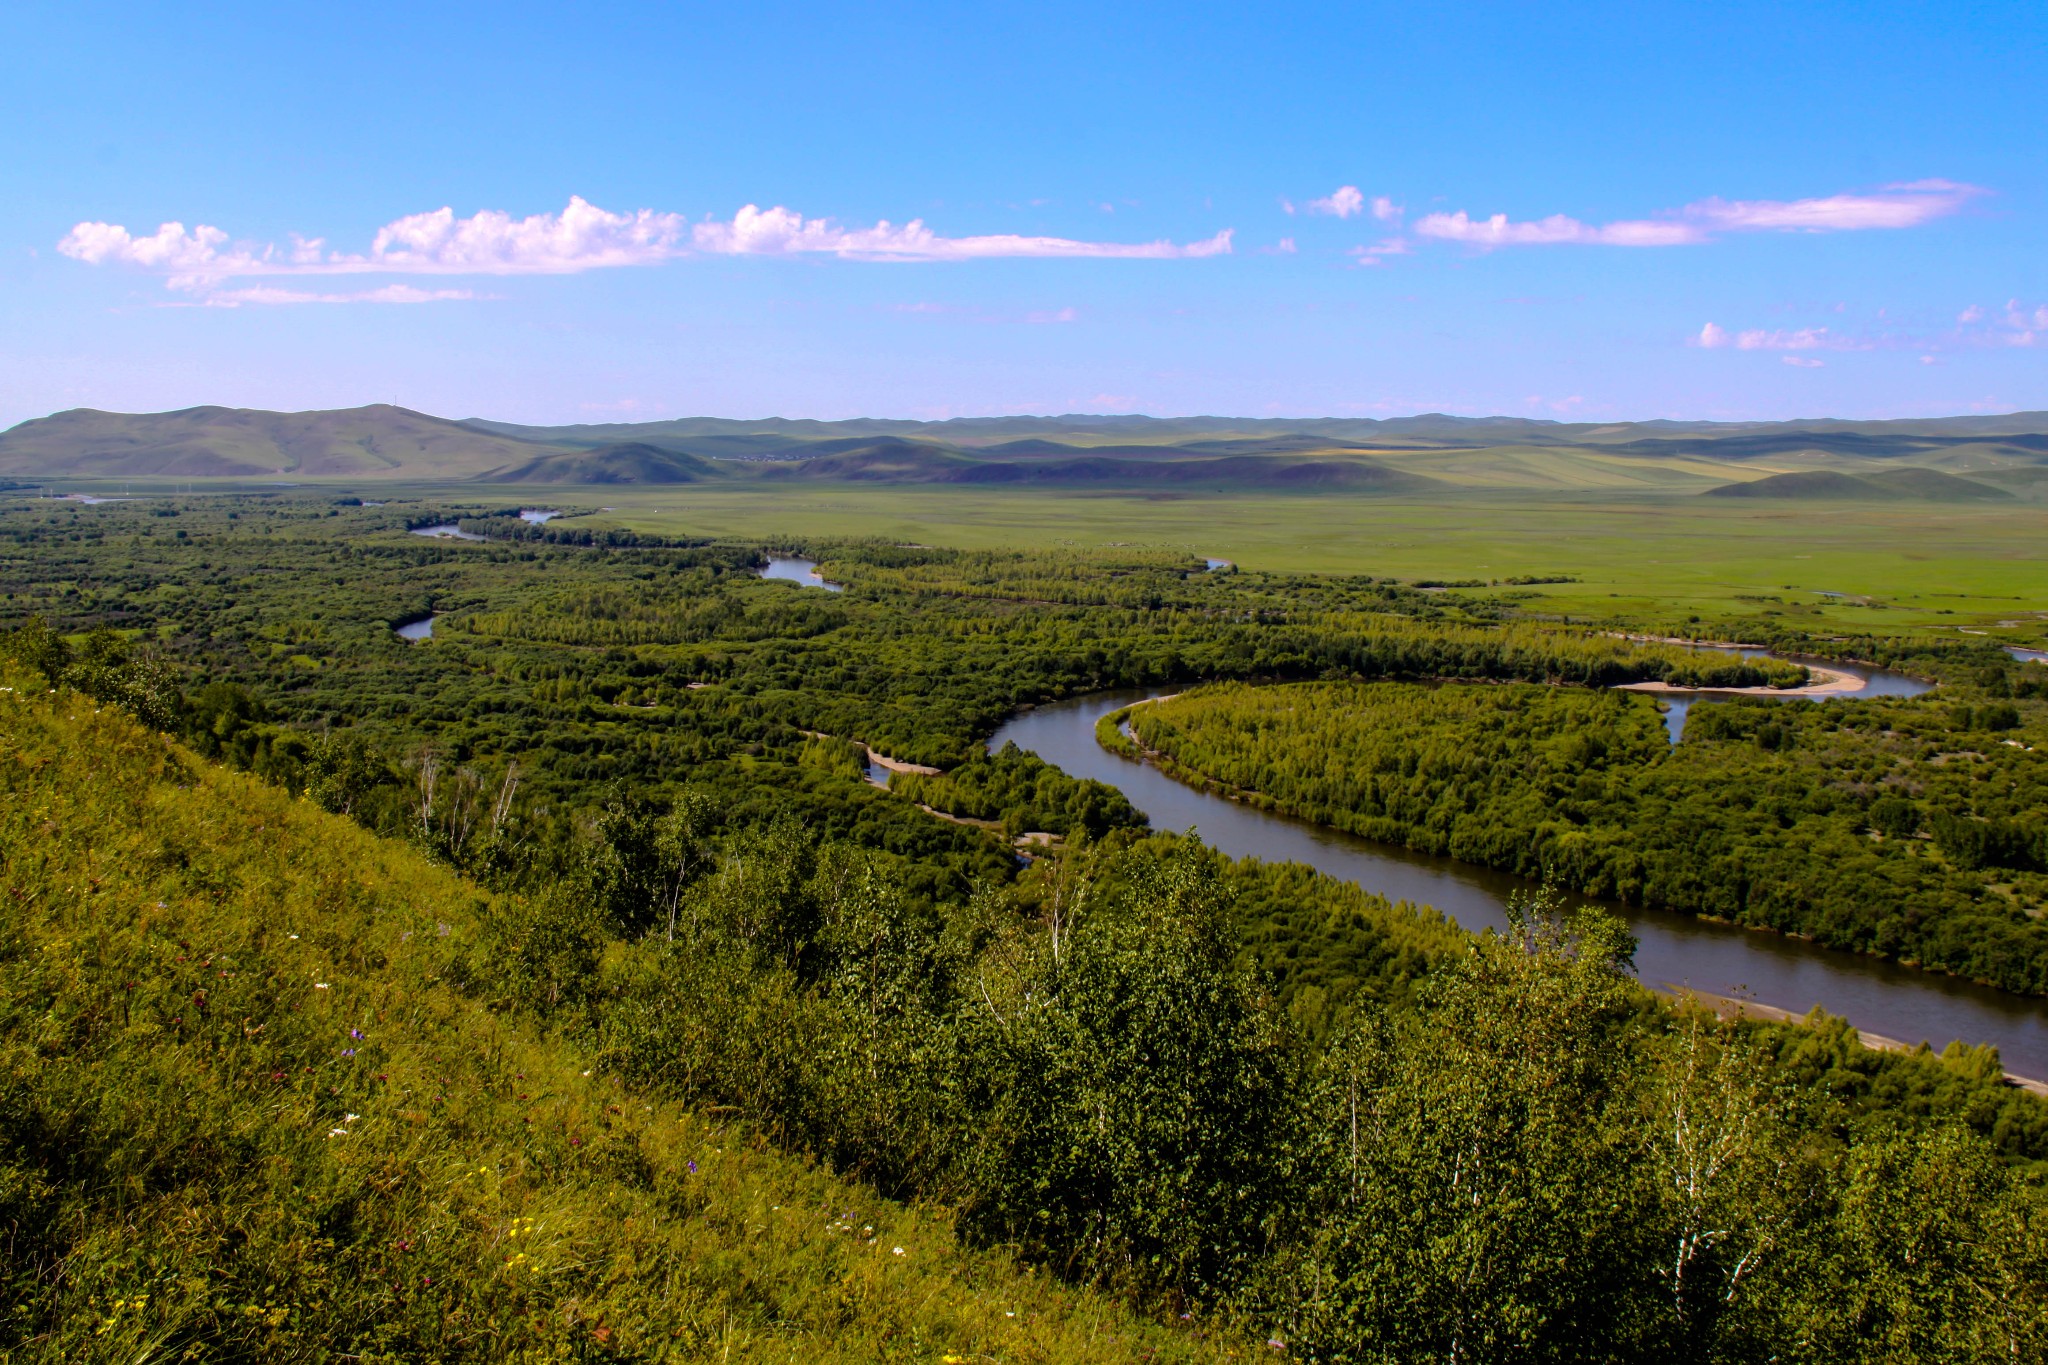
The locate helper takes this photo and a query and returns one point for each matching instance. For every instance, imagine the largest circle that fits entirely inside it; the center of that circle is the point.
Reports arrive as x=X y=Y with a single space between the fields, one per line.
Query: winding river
x=1673 y=951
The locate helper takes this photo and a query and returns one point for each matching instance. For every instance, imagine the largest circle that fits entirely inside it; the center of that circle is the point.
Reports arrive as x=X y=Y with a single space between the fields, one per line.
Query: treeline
x=1914 y=829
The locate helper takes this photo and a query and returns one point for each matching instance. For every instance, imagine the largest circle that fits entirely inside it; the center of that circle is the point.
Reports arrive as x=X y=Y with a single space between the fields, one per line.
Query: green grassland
x=1903 y=566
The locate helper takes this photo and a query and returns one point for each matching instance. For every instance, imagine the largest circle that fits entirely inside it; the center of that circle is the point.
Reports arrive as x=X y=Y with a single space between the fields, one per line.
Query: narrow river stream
x=1672 y=950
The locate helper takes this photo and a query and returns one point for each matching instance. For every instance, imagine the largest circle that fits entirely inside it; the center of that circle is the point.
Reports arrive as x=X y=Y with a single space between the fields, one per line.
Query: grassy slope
x=379 y=441
x=188 y=1157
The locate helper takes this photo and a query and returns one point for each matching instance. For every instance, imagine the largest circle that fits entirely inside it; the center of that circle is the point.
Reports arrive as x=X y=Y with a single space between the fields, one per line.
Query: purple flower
x=693 y=1168
x=348 y=1052
x=355 y=1033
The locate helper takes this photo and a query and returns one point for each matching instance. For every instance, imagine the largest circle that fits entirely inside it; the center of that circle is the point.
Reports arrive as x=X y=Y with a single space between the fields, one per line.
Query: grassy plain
x=1901 y=565
x=1638 y=550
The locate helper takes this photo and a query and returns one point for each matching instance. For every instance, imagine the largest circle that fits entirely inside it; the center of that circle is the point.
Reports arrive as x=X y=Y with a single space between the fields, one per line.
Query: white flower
x=899 y=1251
x=337 y=1132
x=319 y=985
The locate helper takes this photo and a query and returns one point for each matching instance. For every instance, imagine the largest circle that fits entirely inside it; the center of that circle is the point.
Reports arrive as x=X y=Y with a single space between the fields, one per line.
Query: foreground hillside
x=246 y=1113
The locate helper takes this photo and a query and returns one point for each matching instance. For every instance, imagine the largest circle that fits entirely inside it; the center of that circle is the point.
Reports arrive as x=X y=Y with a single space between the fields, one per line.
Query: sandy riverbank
x=1827 y=682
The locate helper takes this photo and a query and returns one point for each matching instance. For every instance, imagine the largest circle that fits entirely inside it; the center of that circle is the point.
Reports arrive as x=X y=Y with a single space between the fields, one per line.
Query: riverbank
x=1728 y=1007
x=1884 y=997
x=1831 y=683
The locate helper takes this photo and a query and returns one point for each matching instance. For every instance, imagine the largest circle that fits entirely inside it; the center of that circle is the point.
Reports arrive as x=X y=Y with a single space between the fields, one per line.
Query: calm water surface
x=537 y=516
x=446 y=530
x=1672 y=950
x=804 y=571
x=422 y=629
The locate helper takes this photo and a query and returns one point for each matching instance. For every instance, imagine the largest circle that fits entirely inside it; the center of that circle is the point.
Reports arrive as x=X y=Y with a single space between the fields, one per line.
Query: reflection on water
x=793 y=570
x=2028 y=656
x=422 y=629
x=446 y=530
x=1672 y=950
x=536 y=516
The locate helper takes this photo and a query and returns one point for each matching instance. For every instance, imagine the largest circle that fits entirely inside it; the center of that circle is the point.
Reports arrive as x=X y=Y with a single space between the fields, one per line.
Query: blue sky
x=1714 y=210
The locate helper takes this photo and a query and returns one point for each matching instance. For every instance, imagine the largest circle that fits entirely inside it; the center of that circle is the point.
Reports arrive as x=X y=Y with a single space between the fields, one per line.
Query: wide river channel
x=1673 y=951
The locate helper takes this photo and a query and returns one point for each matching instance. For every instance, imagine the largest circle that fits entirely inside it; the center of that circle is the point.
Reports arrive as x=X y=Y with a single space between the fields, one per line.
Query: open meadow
x=1896 y=566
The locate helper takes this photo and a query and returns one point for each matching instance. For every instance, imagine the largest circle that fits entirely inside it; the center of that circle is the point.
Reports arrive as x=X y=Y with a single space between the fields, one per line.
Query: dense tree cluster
x=1896 y=827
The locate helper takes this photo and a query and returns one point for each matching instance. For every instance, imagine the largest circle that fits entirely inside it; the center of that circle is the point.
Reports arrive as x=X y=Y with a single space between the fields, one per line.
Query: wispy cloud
x=581 y=237
x=1759 y=339
x=1804 y=362
x=754 y=231
x=1344 y=202
x=1372 y=255
x=1894 y=206
x=390 y=293
x=1385 y=209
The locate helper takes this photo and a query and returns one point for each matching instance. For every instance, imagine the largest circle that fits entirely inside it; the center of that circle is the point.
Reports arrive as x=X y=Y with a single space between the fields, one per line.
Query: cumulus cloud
x=1894 y=206
x=1344 y=202
x=1971 y=314
x=1711 y=336
x=580 y=237
x=1385 y=209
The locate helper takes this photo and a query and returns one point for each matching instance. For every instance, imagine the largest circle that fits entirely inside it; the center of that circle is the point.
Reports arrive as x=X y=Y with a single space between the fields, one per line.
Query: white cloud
x=1971 y=314
x=1805 y=362
x=580 y=237
x=1895 y=206
x=1711 y=336
x=1804 y=339
x=1344 y=202
x=1389 y=246
x=390 y=293
x=755 y=231
x=1554 y=230
x=1385 y=209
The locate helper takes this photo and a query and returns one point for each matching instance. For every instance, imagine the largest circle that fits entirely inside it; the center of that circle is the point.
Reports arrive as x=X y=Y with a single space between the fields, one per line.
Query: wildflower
x=693 y=1168
x=355 y=1033
x=899 y=1251
x=337 y=1132
x=351 y=1118
x=348 y=1052
x=575 y=1142
x=319 y=985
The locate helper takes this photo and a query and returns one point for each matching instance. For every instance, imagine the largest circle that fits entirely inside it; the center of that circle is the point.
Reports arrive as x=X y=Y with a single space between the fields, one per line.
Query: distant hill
x=1925 y=485
x=626 y=462
x=241 y=443
x=1431 y=451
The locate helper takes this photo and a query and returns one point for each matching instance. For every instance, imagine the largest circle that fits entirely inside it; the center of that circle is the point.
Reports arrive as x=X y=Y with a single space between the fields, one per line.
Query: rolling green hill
x=626 y=462
x=379 y=441
x=1925 y=485
x=1422 y=455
